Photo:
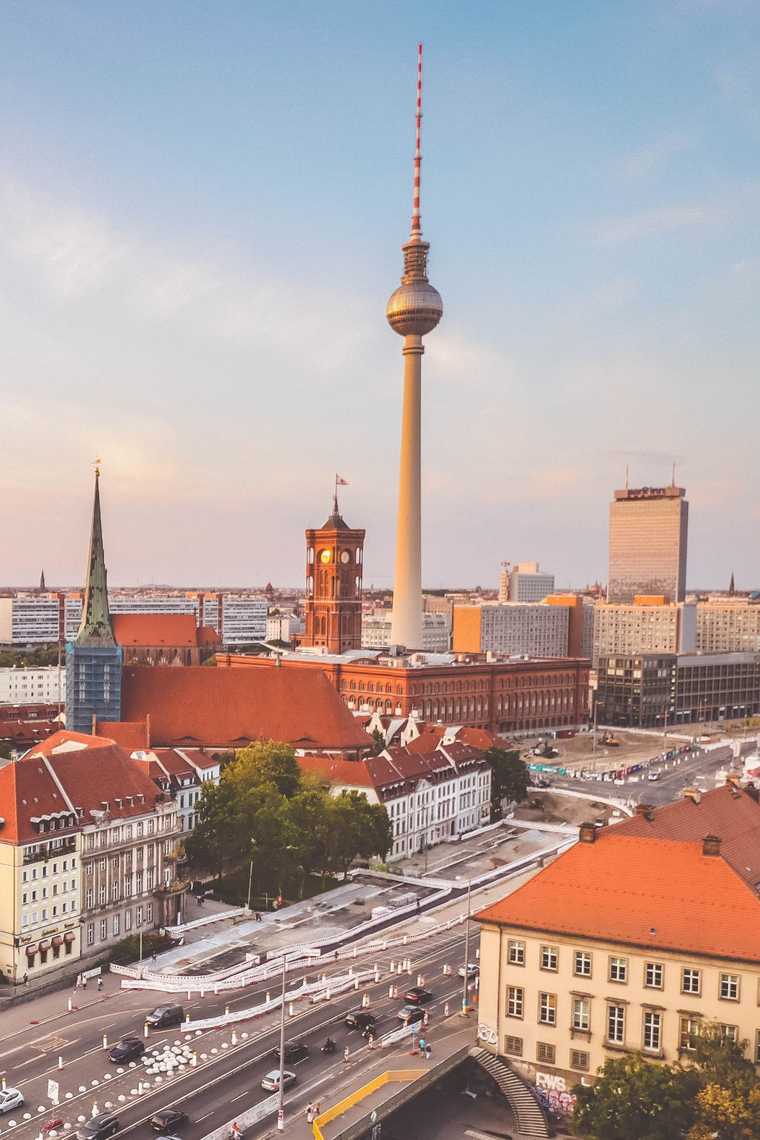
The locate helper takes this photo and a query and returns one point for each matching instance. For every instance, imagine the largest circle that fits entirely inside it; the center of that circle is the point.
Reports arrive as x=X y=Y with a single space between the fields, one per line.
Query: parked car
x=271 y=1081
x=98 y=1127
x=294 y=1051
x=410 y=1013
x=418 y=995
x=473 y=970
x=128 y=1049
x=166 y=1119
x=10 y=1099
x=362 y=1020
x=165 y=1016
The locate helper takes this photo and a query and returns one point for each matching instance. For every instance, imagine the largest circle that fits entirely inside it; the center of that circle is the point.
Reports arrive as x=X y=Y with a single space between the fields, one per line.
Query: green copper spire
x=96 y=628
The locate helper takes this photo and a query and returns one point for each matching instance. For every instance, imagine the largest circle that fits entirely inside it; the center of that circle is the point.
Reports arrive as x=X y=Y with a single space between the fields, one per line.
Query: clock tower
x=334 y=565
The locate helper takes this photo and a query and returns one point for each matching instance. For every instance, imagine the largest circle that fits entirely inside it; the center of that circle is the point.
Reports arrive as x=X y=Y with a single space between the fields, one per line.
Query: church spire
x=95 y=628
x=732 y=585
x=42 y=580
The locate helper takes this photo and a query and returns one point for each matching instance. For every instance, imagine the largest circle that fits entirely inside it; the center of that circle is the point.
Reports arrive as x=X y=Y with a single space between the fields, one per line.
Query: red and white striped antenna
x=416 y=217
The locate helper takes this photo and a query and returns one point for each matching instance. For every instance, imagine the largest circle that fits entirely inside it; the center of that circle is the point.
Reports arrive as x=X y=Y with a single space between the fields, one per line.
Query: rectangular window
x=616 y=1024
x=581 y=1013
x=515 y=952
x=618 y=970
x=547 y=1009
x=729 y=987
x=689 y=1032
x=652 y=1031
x=579 y=1060
x=546 y=1053
x=103 y=929
x=549 y=957
x=90 y=933
x=654 y=975
x=515 y=1001
x=139 y=917
x=728 y=1033
x=691 y=981
x=582 y=964
x=127 y=919
x=116 y=923
x=149 y=913
x=757 y=1046
x=514 y=1045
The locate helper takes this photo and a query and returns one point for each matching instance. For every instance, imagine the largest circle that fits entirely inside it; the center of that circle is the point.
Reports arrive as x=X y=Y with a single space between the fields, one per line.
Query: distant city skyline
x=199 y=235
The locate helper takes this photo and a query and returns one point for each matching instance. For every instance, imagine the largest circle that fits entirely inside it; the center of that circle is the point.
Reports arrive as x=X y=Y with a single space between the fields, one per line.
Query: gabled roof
x=175 y=631
x=130 y=735
x=658 y=894
x=337 y=770
x=396 y=771
x=199 y=705
x=727 y=812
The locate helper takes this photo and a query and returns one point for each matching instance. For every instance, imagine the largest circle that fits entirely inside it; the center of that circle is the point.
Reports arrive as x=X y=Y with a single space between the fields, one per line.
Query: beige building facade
x=728 y=625
x=648 y=533
x=646 y=626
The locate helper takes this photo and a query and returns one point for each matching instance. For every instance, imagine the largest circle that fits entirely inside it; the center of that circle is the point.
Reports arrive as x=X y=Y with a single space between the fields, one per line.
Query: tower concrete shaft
x=406 y=625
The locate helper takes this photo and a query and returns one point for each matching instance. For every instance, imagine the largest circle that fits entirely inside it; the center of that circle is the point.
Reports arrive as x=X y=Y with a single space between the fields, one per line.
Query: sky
x=201 y=213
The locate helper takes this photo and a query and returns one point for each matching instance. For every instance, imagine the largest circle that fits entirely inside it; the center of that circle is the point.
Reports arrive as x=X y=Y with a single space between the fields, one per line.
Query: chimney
x=711 y=845
x=693 y=794
x=587 y=833
x=646 y=811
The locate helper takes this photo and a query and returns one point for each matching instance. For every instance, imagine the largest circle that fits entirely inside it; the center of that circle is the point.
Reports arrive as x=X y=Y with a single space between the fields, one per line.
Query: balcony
x=43 y=853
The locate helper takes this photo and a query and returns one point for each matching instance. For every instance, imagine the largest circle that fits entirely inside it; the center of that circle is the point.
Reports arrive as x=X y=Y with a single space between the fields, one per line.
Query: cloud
x=651 y=158
x=650 y=223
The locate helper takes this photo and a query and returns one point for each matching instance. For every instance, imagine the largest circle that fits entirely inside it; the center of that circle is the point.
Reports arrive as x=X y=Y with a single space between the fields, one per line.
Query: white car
x=472 y=970
x=10 y=1099
x=271 y=1081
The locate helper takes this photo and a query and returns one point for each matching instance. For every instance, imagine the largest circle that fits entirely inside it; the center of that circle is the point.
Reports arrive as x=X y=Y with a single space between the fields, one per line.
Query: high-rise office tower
x=93 y=659
x=414 y=309
x=648 y=536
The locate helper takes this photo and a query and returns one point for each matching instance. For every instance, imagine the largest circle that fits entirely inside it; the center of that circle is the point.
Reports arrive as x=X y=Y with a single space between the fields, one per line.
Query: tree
x=358 y=828
x=218 y=839
x=634 y=1099
x=266 y=762
x=509 y=779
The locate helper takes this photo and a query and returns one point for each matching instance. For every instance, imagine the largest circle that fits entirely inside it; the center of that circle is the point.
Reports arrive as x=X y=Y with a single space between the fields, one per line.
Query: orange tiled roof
x=131 y=735
x=337 y=770
x=659 y=894
x=198 y=705
x=177 y=631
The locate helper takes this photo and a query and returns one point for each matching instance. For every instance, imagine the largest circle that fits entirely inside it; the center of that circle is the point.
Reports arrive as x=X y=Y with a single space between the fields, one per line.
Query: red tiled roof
x=337 y=770
x=153 y=630
x=26 y=790
x=207 y=635
x=22 y=732
x=131 y=735
x=199 y=705
x=653 y=893
x=727 y=812
x=432 y=734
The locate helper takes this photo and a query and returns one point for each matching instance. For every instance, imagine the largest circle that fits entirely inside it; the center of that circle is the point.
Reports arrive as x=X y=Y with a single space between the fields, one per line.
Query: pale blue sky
x=201 y=209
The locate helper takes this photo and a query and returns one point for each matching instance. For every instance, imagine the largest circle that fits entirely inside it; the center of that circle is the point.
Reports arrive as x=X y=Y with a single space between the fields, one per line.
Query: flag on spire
x=341 y=482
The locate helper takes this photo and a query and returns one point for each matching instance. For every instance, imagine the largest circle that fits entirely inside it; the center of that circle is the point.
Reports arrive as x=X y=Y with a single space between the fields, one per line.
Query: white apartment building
x=524 y=582
x=284 y=625
x=436 y=631
x=182 y=773
x=516 y=629
x=29 y=686
x=728 y=625
x=29 y=619
x=623 y=629
x=239 y=619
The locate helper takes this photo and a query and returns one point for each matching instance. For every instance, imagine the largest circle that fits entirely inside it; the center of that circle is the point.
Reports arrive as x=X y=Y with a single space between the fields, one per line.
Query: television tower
x=413 y=310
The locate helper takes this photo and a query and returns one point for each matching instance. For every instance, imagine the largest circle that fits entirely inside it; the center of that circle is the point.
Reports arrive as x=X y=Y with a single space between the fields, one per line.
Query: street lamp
x=281 y=1083
x=465 y=1007
x=250 y=874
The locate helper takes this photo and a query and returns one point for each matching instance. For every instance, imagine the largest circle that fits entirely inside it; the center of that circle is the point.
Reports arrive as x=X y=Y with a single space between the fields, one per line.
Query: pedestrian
x=197 y=900
x=428 y=1050
x=26 y=978
x=346 y=1055
x=153 y=956
x=317 y=1109
x=100 y=983
x=309 y=1113
x=422 y=1045
x=77 y=982
x=84 y=982
x=371 y=1041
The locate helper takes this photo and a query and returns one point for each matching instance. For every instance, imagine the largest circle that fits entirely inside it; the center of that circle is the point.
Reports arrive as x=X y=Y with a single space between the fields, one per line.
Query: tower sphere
x=415 y=308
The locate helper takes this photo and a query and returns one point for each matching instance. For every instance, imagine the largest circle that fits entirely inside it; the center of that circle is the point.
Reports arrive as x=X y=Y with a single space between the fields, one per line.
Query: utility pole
x=281 y=1085
x=465 y=1006
x=140 y=967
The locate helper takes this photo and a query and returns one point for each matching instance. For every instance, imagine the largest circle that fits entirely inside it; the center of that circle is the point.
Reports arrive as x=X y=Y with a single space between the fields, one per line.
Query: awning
x=31 y=950
x=69 y=936
x=56 y=940
x=45 y=944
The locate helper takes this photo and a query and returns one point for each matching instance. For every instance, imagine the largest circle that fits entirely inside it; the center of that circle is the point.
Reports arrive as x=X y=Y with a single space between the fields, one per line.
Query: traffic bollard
x=290 y=1009
x=227 y=1011
x=365 y=1000
x=69 y=1005
x=60 y=1062
x=105 y=1040
x=446 y=1009
x=145 y=1030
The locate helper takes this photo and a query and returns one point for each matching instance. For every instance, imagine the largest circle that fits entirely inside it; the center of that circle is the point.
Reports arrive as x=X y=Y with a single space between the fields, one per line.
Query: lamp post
x=281 y=1083
x=250 y=874
x=466 y=949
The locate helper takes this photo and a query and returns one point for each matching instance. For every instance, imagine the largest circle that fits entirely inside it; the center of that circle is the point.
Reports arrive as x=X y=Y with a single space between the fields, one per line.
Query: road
x=675 y=776
x=229 y=1068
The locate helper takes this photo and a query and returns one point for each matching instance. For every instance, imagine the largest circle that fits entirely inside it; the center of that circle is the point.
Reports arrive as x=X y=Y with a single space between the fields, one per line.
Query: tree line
x=266 y=810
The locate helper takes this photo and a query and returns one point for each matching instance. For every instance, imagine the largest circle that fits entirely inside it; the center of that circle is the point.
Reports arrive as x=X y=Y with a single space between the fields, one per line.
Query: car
x=362 y=1020
x=410 y=1013
x=10 y=1099
x=165 y=1016
x=271 y=1081
x=417 y=995
x=128 y=1049
x=653 y=776
x=294 y=1051
x=473 y=970
x=54 y=1125
x=166 y=1119
x=98 y=1127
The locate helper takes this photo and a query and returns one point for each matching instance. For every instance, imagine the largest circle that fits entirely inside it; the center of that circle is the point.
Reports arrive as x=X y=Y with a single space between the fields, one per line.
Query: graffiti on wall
x=551 y=1090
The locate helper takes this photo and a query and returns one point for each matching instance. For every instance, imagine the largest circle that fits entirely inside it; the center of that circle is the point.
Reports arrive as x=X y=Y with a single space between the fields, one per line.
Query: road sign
x=53 y=1091
x=93 y=973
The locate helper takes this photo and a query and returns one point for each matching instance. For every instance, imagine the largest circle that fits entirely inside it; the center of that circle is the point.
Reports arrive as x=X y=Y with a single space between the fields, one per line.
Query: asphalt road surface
x=675 y=776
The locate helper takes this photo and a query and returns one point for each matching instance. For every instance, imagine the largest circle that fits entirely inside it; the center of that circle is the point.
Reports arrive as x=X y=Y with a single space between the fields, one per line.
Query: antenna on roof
x=626 y=476
x=416 y=215
x=673 y=476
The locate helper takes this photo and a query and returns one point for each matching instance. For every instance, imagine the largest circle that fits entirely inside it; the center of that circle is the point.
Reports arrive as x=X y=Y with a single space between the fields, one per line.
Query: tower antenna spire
x=416 y=230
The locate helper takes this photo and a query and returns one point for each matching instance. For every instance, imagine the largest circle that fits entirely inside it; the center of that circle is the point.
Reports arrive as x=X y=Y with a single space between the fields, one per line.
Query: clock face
x=344 y=556
x=325 y=556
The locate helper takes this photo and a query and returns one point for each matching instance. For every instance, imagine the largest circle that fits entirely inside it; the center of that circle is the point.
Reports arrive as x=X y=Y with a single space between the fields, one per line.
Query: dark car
x=98 y=1127
x=128 y=1049
x=362 y=1020
x=165 y=1016
x=167 y=1119
x=418 y=996
x=410 y=1014
x=294 y=1051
